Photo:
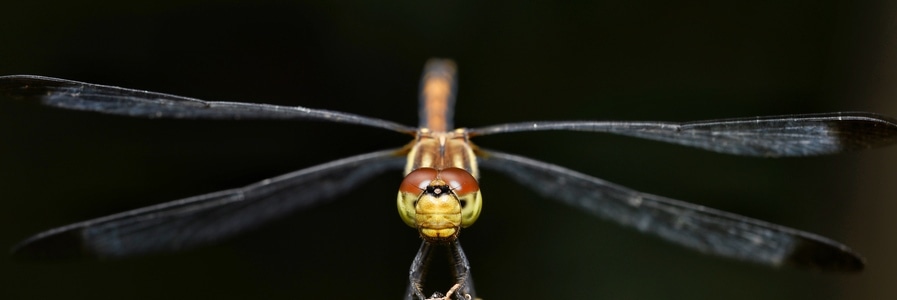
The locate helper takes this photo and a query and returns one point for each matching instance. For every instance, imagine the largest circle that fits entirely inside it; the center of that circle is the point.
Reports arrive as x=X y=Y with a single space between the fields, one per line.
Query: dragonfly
x=440 y=193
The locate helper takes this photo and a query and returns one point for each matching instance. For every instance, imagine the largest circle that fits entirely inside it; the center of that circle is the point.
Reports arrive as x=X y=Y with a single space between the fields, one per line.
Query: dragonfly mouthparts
x=440 y=235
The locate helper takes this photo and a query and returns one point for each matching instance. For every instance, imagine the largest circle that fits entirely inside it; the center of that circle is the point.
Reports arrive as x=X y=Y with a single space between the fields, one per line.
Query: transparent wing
x=136 y=103
x=697 y=227
x=202 y=219
x=776 y=136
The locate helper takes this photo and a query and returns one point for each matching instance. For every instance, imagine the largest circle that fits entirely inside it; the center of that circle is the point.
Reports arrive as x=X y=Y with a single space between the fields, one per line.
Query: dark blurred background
x=518 y=60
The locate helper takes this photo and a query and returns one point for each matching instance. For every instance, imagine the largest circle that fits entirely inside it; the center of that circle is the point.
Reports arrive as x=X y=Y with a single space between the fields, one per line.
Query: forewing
x=776 y=136
x=136 y=103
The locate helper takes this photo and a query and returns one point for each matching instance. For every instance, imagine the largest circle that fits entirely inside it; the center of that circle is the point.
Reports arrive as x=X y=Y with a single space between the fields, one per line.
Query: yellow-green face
x=439 y=202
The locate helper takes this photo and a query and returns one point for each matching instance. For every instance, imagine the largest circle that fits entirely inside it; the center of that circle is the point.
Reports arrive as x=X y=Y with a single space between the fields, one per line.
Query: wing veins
x=202 y=219
x=74 y=95
x=693 y=226
x=775 y=136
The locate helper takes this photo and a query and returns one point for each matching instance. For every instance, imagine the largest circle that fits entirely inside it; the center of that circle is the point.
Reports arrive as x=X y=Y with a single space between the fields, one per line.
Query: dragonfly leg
x=463 y=288
x=417 y=273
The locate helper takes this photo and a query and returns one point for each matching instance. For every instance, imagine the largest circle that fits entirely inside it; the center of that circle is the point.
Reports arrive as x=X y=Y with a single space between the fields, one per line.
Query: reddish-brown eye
x=459 y=180
x=417 y=180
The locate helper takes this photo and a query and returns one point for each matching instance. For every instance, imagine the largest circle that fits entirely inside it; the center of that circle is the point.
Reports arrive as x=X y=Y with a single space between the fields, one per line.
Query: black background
x=518 y=60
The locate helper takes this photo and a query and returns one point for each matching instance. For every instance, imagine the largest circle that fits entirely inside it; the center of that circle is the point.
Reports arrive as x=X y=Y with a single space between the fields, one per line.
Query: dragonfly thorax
x=439 y=202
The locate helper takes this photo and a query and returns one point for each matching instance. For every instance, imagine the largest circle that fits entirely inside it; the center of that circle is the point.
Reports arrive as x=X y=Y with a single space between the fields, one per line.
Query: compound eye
x=418 y=180
x=414 y=184
x=461 y=182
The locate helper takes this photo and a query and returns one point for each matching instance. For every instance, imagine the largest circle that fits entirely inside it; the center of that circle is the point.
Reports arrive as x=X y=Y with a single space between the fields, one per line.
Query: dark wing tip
x=858 y=131
x=66 y=245
x=825 y=257
x=28 y=86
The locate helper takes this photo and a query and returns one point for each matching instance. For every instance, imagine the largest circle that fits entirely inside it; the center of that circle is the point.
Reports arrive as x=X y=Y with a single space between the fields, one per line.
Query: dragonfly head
x=439 y=202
